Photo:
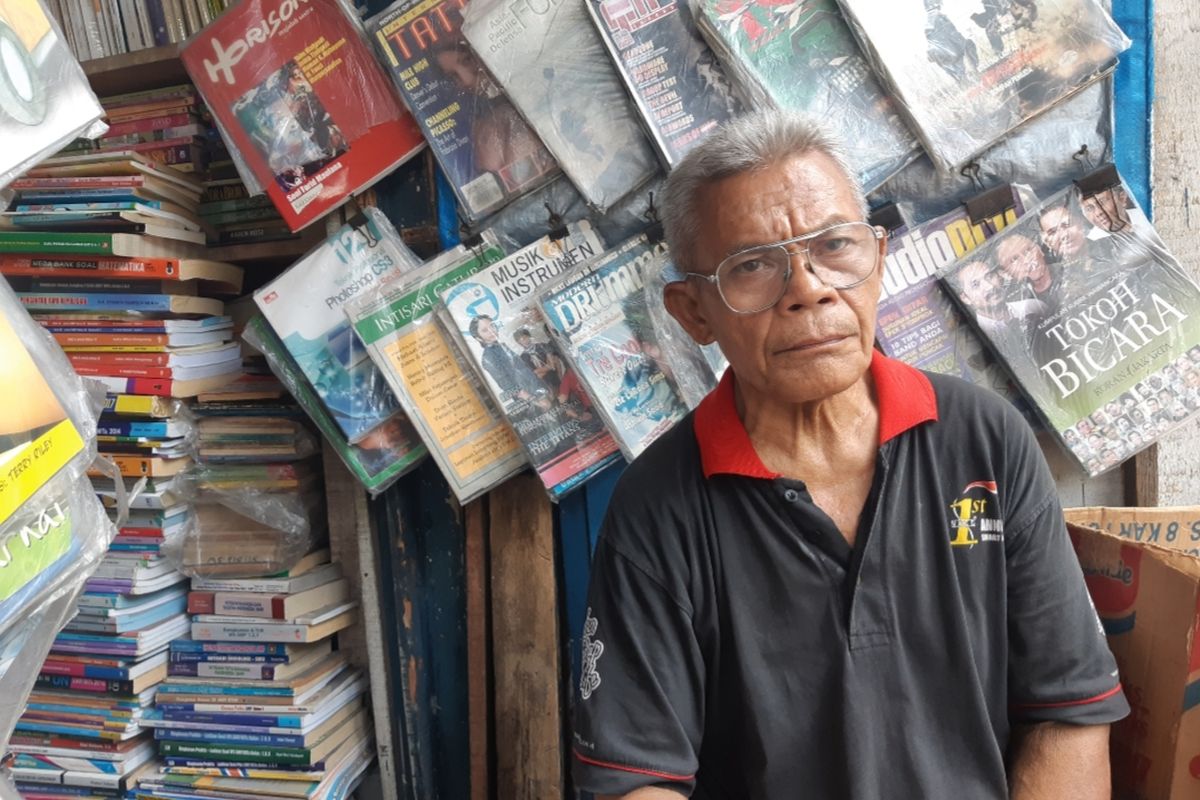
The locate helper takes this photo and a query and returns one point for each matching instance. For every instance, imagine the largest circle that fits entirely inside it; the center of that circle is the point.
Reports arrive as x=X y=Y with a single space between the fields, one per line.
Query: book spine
x=126 y=371
x=91 y=181
x=42 y=208
x=248 y=604
x=158 y=22
x=259 y=233
x=148 y=127
x=61 y=668
x=97 y=302
x=241 y=215
x=261 y=755
x=77 y=684
x=248 y=632
x=160 y=136
x=157 y=387
x=132 y=32
x=230 y=739
x=265 y=586
x=213 y=207
x=205 y=669
x=201 y=603
x=46 y=242
x=251 y=720
x=111 y=339
x=142 y=360
x=68 y=266
x=221 y=658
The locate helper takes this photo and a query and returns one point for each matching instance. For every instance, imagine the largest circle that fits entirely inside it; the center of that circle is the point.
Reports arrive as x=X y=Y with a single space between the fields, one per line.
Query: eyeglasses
x=841 y=256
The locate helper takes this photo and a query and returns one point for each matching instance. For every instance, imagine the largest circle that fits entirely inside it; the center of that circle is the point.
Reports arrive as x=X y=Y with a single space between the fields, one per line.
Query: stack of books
x=169 y=126
x=259 y=702
x=229 y=212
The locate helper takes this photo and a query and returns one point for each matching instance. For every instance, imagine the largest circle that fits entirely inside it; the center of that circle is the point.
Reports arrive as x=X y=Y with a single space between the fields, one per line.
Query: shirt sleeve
x=1060 y=668
x=639 y=713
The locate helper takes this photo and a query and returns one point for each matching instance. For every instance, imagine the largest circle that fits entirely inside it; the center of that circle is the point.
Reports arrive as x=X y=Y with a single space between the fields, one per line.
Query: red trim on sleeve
x=1067 y=703
x=905 y=396
x=666 y=776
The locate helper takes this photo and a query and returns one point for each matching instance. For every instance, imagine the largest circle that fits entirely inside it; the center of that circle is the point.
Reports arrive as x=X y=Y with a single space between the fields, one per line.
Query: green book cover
x=288 y=756
x=54 y=242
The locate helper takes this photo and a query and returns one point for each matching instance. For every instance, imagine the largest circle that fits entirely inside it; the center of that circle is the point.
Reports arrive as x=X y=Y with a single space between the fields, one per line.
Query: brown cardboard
x=1148 y=598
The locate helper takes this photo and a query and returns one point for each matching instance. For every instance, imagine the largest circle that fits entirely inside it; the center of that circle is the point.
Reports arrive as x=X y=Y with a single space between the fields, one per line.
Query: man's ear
x=681 y=302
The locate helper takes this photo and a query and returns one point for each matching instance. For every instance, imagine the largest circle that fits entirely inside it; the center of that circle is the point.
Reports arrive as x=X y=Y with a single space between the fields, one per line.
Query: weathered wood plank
x=526 y=649
x=479 y=649
x=1176 y=170
x=352 y=543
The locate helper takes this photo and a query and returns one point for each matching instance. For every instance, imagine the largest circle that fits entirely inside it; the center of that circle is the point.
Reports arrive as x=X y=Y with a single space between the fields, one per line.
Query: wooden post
x=479 y=649
x=526 y=653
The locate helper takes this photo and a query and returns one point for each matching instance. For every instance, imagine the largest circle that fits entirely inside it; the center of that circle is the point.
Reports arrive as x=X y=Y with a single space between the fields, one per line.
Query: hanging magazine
x=495 y=314
x=800 y=56
x=966 y=75
x=441 y=393
x=298 y=94
x=1094 y=317
x=45 y=100
x=599 y=316
x=550 y=61
x=676 y=84
x=918 y=322
x=486 y=150
x=304 y=307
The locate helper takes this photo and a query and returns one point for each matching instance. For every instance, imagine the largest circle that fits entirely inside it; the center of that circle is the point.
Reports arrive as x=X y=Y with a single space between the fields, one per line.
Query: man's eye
x=832 y=245
x=753 y=266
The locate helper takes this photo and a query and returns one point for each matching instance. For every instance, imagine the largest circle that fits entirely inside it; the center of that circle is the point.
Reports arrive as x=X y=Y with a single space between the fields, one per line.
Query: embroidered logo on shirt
x=976 y=517
x=593 y=648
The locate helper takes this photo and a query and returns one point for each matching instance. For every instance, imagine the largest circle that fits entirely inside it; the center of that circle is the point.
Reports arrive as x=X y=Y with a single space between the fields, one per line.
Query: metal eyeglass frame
x=715 y=278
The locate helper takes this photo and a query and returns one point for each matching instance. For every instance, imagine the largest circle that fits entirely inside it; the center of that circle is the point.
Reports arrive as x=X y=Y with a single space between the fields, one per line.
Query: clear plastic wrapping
x=552 y=64
x=487 y=152
x=45 y=99
x=802 y=58
x=602 y=324
x=301 y=99
x=964 y=76
x=495 y=315
x=441 y=393
x=697 y=368
x=1094 y=317
x=376 y=461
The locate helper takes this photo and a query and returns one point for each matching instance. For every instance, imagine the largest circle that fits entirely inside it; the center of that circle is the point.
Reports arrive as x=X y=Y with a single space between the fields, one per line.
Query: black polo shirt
x=736 y=647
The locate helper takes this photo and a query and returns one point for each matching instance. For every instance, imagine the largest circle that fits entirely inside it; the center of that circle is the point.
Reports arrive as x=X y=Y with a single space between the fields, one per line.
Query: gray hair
x=751 y=142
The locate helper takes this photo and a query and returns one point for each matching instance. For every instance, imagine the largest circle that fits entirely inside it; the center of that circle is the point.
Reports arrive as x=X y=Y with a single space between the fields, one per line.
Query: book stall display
x=244 y=301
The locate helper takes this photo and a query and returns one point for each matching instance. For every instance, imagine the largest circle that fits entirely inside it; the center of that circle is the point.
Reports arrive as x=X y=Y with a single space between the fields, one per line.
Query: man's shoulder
x=965 y=405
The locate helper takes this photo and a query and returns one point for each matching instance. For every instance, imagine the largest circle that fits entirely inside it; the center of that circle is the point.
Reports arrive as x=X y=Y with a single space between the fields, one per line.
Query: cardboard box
x=1145 y=584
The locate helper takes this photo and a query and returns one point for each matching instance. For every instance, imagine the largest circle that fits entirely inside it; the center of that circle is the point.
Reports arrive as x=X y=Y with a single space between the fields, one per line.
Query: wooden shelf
x=152 y=68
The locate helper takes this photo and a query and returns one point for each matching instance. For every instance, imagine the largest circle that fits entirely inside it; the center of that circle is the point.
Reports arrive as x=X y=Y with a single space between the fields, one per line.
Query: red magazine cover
x=296 y=89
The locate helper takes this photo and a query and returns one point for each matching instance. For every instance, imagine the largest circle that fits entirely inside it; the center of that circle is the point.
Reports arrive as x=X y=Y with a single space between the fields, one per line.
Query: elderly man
x=840 y=577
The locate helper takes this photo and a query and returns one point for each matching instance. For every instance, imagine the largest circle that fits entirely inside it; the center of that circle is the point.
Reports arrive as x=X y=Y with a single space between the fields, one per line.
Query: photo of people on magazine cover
x=289 y=126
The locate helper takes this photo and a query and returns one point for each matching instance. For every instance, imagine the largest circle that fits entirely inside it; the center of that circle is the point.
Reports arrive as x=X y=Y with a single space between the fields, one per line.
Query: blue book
x=136 y=620
x=112 y=195
x=57 y=708
x=149 y=430
x=108 y=301
x=166 y=690
x=217 y=658
x=223 y=737
x=80 y=731
x=112 y=205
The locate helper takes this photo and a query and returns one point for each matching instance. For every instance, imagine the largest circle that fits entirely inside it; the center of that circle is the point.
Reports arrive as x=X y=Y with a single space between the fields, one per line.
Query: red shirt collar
x=905 y=395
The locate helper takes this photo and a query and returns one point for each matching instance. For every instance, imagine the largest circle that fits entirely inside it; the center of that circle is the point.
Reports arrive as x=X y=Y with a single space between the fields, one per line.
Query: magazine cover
x=800 y=56
x=550 y=61
x=1094 y=317
x=919 y=323
x=304 y=306
x=966 y=75
x=45 y=99
x=599 y=316
x=444 y=398
x=302 y=99
x=486 y=150
x=495 y=315
x=677 y=86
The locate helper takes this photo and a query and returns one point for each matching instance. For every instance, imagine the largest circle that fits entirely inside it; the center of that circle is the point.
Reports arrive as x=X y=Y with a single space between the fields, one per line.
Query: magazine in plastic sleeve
x=377 y=460
x=299 y=94
x=486 y=150
x=697 y=368
x=443 y=396
x=304 y=306
x=599 y=316
x=965 y=76
x=1095 y=319
x=495 y=314
x=803 y=58
x=678 y=87
x=45 y=99
x=550 y=61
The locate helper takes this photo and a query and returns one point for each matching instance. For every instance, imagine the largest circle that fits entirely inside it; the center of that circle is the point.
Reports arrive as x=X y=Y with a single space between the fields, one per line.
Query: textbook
x=126 y=245
x=441 y=393
x=214 y=276
x=1102 y=334
x=495 y=316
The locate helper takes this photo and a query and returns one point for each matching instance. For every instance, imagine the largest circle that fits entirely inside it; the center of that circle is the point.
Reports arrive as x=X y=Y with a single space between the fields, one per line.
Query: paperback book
x=965 y=76
x=440 y=392
x=495 y=315
x=487 y=152
x=549 y=59
x=297 y=92
x=599 y=318
x=677 y=85
x=1094 y=317
x=806 y=60
x=305 y=307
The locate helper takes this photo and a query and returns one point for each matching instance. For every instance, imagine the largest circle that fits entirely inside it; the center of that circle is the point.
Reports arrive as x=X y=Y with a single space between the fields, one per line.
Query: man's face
x=815 y=341
x=485 y=331
x=524 y=340
x=1021 y=258
x=981 y=286
x=1106 y=210
x=1062 y=233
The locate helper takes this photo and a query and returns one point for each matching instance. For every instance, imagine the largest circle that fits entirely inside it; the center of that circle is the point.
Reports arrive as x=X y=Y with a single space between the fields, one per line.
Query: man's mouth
x=815 y=343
